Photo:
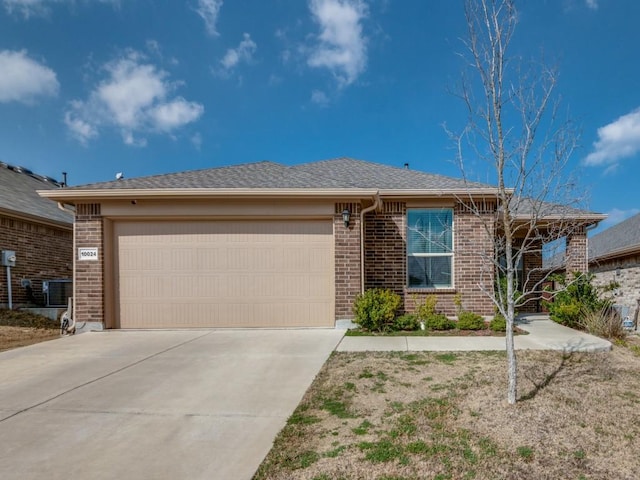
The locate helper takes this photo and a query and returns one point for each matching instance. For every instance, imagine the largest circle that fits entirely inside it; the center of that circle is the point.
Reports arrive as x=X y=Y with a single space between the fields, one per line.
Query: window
x=430 y=248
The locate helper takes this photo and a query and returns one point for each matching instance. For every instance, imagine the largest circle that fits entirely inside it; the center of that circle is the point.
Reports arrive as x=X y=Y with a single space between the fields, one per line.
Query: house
x=40 y=234
x=614 y=257
x=269 y=245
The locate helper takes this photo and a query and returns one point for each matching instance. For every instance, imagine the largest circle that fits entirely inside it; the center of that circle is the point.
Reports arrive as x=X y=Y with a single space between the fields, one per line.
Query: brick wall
x=533 y=274
x=385 y=259
x=385 y=248
x=347 y=259
x=576 y=252
x=626 y=272
x=42 y=253
x=89 y=281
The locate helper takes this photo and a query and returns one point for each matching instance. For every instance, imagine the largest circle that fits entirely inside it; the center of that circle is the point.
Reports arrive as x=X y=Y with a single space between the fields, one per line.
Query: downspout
x=71 y=307
x=376 y=204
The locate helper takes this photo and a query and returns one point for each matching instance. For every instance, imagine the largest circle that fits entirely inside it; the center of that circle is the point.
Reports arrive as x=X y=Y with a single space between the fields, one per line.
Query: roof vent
x=406 y=166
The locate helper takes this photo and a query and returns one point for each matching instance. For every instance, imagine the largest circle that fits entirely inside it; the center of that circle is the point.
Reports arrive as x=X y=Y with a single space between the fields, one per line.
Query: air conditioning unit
x=57 y=292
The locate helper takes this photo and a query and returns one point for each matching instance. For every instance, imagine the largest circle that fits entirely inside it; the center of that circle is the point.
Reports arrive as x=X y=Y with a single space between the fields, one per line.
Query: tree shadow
x=548 y=378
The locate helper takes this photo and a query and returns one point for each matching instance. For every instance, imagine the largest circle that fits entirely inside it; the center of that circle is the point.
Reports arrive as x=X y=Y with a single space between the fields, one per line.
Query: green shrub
x=498 y=323
x=470 y=321
x=438 y=321
x=408 y=321
x=376 y=309
x=426 y=307
x=575 y=298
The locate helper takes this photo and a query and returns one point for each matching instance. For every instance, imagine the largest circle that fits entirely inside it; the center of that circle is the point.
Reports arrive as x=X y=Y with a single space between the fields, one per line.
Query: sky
x=144 y=87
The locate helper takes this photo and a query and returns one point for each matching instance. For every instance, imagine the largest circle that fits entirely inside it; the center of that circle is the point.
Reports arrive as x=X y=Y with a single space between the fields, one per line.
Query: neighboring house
x=268 y=245
x=39 y=233
x=614 y=256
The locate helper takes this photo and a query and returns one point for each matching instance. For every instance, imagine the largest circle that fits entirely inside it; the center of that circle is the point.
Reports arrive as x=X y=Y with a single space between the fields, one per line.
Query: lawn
x=18 y=329
x=444 y=416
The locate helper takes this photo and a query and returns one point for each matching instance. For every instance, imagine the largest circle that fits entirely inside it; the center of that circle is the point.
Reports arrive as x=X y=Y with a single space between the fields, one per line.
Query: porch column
x=576 y=259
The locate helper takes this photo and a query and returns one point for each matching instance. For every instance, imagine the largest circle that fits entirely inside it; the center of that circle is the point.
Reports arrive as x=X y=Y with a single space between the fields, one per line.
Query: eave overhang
x=37 y=219
x=72 y=196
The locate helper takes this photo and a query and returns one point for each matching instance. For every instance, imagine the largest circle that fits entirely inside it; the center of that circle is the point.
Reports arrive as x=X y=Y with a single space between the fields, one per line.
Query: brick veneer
x=576 y=251
x=43 y=252
x=385 y=258
x=385 y=248
x=347 y=259
x=89 y=278
x=533 y=274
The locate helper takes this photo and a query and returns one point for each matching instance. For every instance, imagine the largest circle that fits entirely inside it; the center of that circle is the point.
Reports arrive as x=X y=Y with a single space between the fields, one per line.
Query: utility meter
x=8 y=258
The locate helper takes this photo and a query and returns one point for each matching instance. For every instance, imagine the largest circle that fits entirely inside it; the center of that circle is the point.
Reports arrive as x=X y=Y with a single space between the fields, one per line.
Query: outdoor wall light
x=346 y=216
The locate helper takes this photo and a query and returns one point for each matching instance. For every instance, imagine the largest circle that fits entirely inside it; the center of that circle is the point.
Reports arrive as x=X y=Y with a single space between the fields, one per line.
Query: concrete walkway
x=153 y=404
x=544 y=334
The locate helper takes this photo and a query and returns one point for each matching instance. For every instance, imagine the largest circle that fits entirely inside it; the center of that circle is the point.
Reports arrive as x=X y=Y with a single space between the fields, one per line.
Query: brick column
x=89 y=275
x=576 y=252
x=474 y=253
x=347 y=259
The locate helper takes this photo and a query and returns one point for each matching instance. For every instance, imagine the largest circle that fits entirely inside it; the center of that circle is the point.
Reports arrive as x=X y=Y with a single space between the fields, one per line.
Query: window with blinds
x=430 y=248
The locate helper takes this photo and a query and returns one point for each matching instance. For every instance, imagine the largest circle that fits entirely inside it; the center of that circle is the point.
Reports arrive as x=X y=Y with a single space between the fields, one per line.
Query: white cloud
x=169 y=116
x=341 y=46
x=616 y=215
x=133 y=99
x=36 y=8
x=209 y=11
x=23 y=79
x=617 y=140
x=319 y=98
x=243 y=53
x=592 y=4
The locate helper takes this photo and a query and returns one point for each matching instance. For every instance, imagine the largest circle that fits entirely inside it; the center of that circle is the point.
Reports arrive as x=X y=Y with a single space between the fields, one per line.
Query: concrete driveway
x=153 y=404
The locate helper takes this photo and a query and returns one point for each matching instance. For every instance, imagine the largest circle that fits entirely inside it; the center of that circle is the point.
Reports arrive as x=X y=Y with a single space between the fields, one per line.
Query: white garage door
x=224 y=274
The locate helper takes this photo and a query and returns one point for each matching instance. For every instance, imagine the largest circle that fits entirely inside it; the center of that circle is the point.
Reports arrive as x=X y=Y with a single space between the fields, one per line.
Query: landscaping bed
x=18 y=329
x=444 y=416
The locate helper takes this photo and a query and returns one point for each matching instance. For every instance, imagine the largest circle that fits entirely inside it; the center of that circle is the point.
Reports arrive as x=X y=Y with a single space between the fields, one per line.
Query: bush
x=438 y=321
x=470 y=321
x=498 y=323
x=376 y=309
x=426 y=308
x=576 y=298
x=408 y=321
x=604 y=322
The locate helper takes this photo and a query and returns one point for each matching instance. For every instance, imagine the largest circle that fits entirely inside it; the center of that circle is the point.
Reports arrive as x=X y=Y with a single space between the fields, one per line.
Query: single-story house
x=614 y=257
x=41 y=236
x=269 y=245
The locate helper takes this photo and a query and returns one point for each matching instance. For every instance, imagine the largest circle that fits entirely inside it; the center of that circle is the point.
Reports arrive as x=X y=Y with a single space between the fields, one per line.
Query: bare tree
x=514 y=125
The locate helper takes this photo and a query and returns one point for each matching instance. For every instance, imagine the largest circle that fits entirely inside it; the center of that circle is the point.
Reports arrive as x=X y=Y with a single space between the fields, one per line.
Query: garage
x=222 y=273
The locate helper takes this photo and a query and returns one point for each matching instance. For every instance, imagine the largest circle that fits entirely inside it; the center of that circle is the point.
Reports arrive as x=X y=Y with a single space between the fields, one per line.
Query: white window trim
x=451 y=254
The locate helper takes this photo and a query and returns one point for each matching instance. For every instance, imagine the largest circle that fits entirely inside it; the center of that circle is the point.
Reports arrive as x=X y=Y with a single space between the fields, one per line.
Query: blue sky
x=95 y=87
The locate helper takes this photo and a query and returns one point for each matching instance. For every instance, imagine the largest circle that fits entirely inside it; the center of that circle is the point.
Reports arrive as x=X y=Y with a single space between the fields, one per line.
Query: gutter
x=64 y=208
x=377 y=202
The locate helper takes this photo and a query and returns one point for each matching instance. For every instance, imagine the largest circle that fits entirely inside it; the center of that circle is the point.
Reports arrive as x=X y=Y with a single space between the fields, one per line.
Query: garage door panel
x=224 y=274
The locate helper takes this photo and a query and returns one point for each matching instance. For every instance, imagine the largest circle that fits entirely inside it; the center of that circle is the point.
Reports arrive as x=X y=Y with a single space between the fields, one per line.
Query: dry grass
x=18 y=329
x=444 y=416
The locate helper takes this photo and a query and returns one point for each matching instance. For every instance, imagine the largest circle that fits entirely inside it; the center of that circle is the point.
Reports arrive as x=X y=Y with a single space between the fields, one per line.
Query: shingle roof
x=18 y=194
x=620 y=237
x=329 y=174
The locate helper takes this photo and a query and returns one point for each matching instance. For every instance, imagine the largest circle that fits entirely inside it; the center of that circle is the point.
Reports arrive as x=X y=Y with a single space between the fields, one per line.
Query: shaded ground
x=444 y=416
x=18 y=329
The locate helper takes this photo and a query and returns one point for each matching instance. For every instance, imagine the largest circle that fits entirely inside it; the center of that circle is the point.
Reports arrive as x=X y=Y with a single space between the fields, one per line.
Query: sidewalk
x=544 y=334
